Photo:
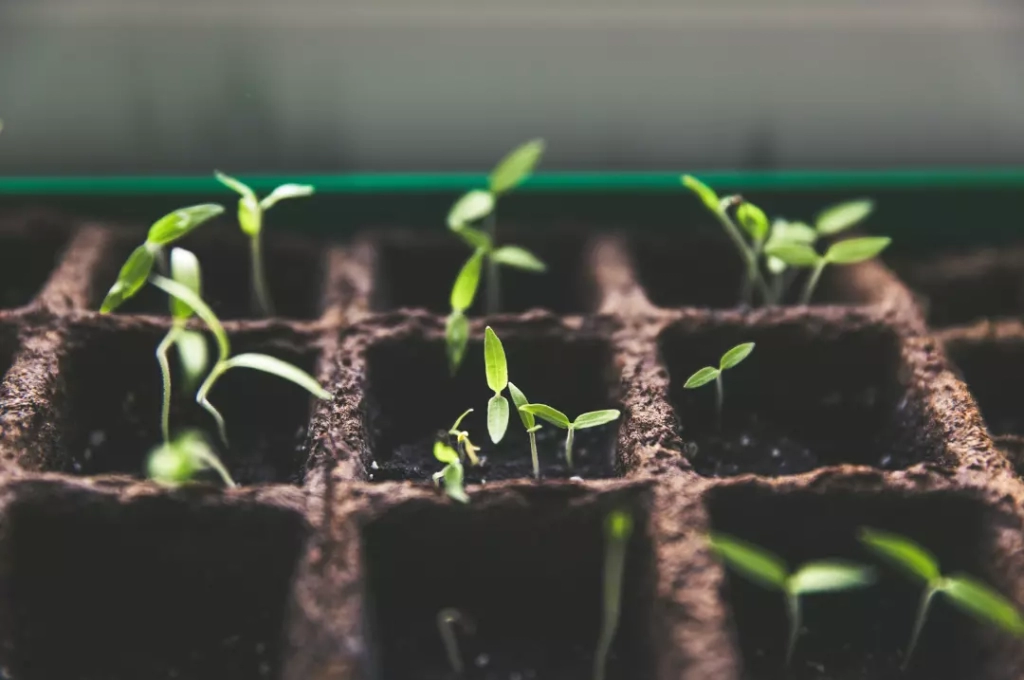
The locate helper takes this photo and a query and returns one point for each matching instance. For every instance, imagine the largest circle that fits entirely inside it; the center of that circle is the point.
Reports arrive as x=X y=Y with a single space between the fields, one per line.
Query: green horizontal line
x=372 y=183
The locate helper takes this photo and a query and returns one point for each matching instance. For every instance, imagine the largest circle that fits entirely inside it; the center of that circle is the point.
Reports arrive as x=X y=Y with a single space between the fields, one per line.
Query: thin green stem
x=533 y=455
x=812 y=282
x=614 y=568
x=793 y=611
x=753 y=275
x=201 y=399
x=261 y=291
x=719 y=398
x=165 y=373
x=217 y=466
x=922 y=612
x=568 y=446
x=446 y=620
x=493 y=270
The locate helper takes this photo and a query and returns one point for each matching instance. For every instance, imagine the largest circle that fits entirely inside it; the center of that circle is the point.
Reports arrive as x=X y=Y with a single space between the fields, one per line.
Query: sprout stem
x=805 y=299
x=201 y=399
x=165 y=373
x=614 y=568
x=922 y=611
x=261 y=291
x=568 y=446
x=719 y=398
x=753 y=276
x=793 y=610
x=533 y=455
x=446 y=620
x=218 y=467
x=493 y=272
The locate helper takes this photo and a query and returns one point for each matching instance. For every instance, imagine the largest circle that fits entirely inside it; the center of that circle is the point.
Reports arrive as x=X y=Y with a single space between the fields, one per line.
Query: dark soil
x=27 y=258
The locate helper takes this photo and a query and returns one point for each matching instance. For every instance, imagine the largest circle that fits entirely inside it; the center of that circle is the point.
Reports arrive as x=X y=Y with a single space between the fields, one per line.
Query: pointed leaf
x=494 y=361
x=753 y=220
x=236 y=185
x=706 y=194
x=595 y=418
x=517 y=257
x=793 y=254
x=194 y=355
x=282 y=369
x=519 y=400
x=735 y=355
x=185 y=270
x=903 y=553
x=458 y=421
x=784 y=231
x=841 y=217
x=757 y=564
x=516 y=166
x=983 y=602
x=173 y=226
x=250 y=216
x=551 y=415
x=456 y=334
x=445 y=453
x=618 y=525
x=453 y=483
x=131 y=278
x=286 y=191
x=497 y=417
x=467 y=282
x=474 y=238
x=830 y=576
x=471 y=206
x=854 y=250
x=201 y=309
x=702 y=377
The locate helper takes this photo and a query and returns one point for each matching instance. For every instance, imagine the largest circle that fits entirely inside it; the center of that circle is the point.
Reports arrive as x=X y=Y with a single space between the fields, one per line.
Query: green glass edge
x=427 y=182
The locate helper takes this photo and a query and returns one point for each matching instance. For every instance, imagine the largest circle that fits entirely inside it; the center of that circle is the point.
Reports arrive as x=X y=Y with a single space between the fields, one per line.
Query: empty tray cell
x=294 y=270
x=528 y=577
x=29 y=252
x=413 y=400
x=418 y=272
x=110 y=407
x=811 y=394
x=8 y=346
x=860 y=633
x=993 y=368
x=150 y=588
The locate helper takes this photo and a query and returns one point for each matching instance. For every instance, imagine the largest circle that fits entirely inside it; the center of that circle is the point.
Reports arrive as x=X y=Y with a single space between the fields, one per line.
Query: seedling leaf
x=494 y=361
x=458 y=421
x=753 y=220
x=757 y=564
x=497 y=417
x=841 y=217
x=595 y=418
x=519 y=400
x=238 y=186
x=445 y=453
x=830 y=576
x=467 y=282
x=282 y=369
x=702 y=377
x=173 y=226
x=194 y=355
x=706 y=194
x=516 y=166
x=982 y=602
x=131 y=278
x=735 y=355
x=201 y=309
x=854 y=250
x=793 y=254
x=517 y=257
x=619 y=525
x=470 y=207
x=286 y=191
x=784 y=231
x=457 y=338
x=903 y=553
x=551 y=415
x=185 y=270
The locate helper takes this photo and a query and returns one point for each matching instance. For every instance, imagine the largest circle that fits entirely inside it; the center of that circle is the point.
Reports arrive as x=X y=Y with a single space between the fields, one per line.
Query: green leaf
x=841 y=217
x=238 y=186
x=453 y=480
x=173 y=226
x=250 y=216
x=830 y=576
x=516 y=166
x=618 y=525
x=793 y=254
x=854 y=250
x=131 y=278
x=467 y=282
x=458 y=421
x=474 y=238
x=753 y=220
x=286 y=191
x=171 y=465
x=902 y=552
x=201 y=308
x=551 y=415
x=185 y=270
x=494 y=361
x=775 y=265
x=194 y=355
x=520 y=400
x=471 y=206
x=497 y=417
x=702 y=377
x=703 y=191
x=735 y=355
x=595 y=418
x=517 y=257
x=983 y=602
x=445 y=453
x=755 y=563
x=282 y=369
x=456 y=334
x=784 y=231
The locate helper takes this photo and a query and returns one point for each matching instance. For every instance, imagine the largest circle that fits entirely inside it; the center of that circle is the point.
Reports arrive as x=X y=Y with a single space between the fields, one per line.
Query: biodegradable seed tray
x=334 y=557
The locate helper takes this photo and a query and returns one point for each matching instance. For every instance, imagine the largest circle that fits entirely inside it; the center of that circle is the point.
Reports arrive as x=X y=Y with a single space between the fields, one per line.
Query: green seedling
x=529 y=422
x=769 y=571
x=618 y=527
x=446 y=621
x=225 y=362
x=176 y=462
x=452 y=475
x=966 y=593
x=481 y=204
x=850 y=251
x=250 y=219
x=165 y=231
x=560 y=420
x=191 y=345
x=496 y=369
x=462 y=443
x=705 y=375
x=463 y=294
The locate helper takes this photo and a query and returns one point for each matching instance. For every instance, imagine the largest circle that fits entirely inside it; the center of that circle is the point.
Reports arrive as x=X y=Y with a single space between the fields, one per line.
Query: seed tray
x=334 y=556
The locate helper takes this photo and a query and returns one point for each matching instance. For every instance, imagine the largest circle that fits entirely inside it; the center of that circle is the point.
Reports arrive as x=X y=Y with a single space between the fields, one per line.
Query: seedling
x=250 y=219
x=618 y=527
x=496 y=369
x=582 y=422
x=850 y=251
x=225 y=362
x=462 y=443
x=166 y=230
x=709 y=373
x=463 y=294
x=769 y=571
x=966 y=593
x=176 y=462
x=452 y=474
x=529 y=422
x=446 y=621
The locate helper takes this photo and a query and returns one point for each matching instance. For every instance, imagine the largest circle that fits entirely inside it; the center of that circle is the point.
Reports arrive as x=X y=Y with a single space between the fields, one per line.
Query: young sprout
x=462 y=442
x=784 y=231
x=966 y=593
x=529 y=422
x=850 y=251
x=481 y=204
x=582 y=422
x=250 y=219
x=709 y=373
x=768 y=570
x=452 y=474
x=225 y=362
x=446 y=620
x=463 y=293
x=178 y=461
x=166 y=230
x=496 y=369
x=618 y=527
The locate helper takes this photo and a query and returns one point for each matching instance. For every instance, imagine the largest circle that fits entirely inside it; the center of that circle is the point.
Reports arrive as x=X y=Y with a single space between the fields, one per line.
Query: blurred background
x=183 y=86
